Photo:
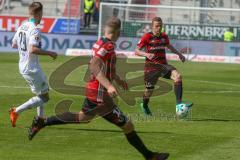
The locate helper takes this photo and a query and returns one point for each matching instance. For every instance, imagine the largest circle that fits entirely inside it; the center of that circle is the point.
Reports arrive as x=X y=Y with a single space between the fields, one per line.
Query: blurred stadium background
x=194 y=26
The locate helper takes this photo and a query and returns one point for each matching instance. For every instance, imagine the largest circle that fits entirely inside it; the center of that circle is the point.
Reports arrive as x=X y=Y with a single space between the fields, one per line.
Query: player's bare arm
x=172 y=49
x=14 y=45
x=38 y=51
x=95 y=66
x=139 y=52
x=14 y=42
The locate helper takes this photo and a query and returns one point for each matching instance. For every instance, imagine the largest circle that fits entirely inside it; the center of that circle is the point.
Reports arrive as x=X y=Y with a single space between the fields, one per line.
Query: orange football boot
x=13 y=116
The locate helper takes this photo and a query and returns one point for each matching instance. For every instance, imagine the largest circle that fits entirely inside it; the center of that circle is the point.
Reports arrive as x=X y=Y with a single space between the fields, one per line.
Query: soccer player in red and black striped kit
x=99 y=94
x=156 y=64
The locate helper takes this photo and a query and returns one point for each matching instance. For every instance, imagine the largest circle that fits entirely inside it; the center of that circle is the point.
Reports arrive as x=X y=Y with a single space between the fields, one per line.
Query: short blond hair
x=114 y=23
x=35 y=7
x=157 y=19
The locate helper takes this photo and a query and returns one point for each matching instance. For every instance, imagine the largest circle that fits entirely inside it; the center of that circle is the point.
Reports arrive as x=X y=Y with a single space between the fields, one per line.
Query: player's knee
x=44 y=98
x=176 y=76
x=128 y=127
x=149 y=88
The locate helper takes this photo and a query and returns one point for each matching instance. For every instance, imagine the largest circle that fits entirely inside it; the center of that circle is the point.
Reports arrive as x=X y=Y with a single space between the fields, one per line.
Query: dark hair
x=114 y=22
x=35 y=8
x=157 y=19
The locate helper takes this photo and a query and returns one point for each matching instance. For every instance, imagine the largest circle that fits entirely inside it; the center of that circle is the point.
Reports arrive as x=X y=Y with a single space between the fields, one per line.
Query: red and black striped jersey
x=104 y=49
x=155 y=45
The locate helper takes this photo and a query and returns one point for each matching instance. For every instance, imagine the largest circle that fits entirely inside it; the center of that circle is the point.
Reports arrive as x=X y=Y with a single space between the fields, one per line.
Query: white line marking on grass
x=217 y=83
x=212 y=92
x=201 y=81
x=190 y=91
x=15 y=87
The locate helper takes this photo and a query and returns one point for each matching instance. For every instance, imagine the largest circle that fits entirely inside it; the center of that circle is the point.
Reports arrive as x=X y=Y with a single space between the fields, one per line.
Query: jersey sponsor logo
x=24 y=27
x=157 y=48
x=156 y=41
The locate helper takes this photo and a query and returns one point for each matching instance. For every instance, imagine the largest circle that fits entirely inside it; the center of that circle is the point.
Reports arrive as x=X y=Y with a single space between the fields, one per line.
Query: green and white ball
x=182 y=110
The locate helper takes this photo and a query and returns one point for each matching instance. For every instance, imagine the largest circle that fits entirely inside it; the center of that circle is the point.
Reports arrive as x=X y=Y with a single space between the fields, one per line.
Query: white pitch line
x=190 y=91
x=217 y=83
x=15 y=87
x=201 y=81
x=212 y=91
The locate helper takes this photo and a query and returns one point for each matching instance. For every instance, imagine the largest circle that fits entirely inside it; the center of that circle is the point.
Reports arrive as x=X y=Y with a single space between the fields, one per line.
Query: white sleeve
x=35 y=37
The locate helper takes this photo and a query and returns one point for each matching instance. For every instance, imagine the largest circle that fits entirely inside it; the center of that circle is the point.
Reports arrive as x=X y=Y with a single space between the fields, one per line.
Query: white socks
x=40 y=111
x=32 y=103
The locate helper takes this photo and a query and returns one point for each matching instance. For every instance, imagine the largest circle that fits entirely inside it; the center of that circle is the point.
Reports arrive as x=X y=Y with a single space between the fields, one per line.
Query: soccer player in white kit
x=28 y=41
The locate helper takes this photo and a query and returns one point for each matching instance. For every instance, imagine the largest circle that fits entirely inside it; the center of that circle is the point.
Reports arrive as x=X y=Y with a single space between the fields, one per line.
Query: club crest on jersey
x=109 y=47
x=37 y=38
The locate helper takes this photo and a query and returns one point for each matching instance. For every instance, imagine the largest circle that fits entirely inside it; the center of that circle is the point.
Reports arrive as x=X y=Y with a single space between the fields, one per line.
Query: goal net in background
x=195 y=30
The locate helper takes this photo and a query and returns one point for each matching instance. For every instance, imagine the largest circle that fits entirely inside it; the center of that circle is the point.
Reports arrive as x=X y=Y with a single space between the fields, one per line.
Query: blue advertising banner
x=63 y=25
x=61 y=42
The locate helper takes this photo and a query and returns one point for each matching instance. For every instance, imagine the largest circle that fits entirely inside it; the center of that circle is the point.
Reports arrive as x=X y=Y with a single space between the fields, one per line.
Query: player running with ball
x=154 y=44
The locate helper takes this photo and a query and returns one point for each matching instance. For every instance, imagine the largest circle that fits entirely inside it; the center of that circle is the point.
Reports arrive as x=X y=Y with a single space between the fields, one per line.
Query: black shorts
x=109 y=111
x=153 y=71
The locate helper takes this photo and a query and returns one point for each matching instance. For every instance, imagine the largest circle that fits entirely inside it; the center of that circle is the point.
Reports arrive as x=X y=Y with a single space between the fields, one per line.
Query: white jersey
x=26 y=35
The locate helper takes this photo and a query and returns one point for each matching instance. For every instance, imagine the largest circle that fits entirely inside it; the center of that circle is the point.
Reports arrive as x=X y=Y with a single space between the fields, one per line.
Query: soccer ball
x=182 y=110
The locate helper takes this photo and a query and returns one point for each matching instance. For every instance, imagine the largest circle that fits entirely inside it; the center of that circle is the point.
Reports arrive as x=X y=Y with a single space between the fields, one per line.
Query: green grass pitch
x=211 y=132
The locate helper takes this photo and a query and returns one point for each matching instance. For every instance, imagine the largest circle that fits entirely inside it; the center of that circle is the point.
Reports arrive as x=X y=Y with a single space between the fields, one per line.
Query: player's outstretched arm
x=139 y=52
x=14 y=41
x=172 y=49
x=96 y=66
x=38 y=51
